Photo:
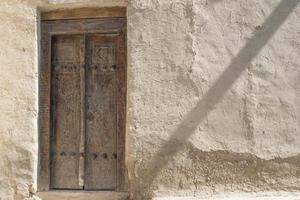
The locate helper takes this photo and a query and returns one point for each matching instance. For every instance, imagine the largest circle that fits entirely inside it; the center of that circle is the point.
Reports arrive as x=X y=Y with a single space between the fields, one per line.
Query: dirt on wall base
x=192 y=171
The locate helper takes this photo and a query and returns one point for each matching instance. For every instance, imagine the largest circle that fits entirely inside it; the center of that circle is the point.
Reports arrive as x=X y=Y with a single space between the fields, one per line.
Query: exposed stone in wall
x=213 y=95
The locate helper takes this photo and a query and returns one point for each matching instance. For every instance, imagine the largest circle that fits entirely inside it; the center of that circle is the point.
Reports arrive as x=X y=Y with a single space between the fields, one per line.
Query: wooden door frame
x=111 y=25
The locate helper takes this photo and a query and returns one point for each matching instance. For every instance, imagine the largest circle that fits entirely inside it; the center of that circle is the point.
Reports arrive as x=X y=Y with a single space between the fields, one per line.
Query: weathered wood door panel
x=101 y=113
x=85 y=87
x=83 y=105
x=67 y=59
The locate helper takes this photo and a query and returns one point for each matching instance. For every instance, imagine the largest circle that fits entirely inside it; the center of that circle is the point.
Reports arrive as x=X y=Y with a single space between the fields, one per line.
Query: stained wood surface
x=81 y=13
x=78 y=26
x=101 y=113
x=44 y=122
x=66 y=113
x=122 y=181
x=86 y=70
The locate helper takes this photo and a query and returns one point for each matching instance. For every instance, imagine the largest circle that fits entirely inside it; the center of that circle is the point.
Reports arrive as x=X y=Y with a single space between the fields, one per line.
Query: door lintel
x=84 y=13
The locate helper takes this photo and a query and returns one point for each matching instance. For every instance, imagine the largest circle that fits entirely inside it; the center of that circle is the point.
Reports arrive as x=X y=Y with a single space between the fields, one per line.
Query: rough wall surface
x=18 y=99
x=213 y=95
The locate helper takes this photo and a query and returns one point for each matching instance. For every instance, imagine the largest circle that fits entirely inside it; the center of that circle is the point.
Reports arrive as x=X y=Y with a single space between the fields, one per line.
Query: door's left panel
x=67 y=90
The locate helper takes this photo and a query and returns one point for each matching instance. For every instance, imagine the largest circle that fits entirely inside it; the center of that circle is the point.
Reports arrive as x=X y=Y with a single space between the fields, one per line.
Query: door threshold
x=82 y=195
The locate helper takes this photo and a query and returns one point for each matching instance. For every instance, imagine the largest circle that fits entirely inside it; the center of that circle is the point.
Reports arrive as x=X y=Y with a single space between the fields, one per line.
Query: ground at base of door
x=82 y=195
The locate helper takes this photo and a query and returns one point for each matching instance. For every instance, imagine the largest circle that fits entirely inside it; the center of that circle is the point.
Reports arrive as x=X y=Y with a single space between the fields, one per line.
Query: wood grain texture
x=84 y=13
x=108 y=36
x=122 y=181
x=44 y=111
x=82 y=108
x=85 y=26
x=66 y=113
x=101 y=123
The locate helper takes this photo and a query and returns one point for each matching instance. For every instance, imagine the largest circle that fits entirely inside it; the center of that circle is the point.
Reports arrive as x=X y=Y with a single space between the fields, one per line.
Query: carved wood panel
x=101 y=117
x=66 y=112
x=82 y=105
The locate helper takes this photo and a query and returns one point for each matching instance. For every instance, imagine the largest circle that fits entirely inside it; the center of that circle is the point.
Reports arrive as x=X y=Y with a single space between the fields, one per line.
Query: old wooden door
x=88 y=97
x=67 y=111
x=101 y=112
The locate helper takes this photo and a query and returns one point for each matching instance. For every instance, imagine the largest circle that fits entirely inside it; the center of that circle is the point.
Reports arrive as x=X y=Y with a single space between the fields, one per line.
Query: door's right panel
x=101 y=113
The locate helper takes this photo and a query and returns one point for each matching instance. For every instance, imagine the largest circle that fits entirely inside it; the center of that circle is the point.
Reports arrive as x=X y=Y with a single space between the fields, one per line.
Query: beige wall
x=213 y=95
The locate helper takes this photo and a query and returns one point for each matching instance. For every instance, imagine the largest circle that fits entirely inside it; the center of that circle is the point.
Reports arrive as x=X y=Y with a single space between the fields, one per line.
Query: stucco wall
x=213 y=95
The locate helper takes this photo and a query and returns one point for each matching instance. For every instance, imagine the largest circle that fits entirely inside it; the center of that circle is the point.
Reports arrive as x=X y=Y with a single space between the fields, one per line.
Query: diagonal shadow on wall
x=218 y=90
